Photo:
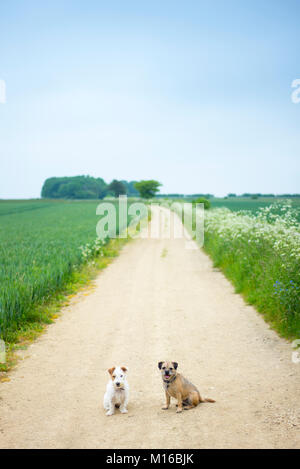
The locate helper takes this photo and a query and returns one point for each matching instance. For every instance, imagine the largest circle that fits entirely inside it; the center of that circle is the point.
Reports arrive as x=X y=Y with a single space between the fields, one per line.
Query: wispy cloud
x=2 y=92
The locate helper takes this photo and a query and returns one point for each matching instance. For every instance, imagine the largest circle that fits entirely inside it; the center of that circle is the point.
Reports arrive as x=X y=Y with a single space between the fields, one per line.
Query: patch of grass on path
x=164 y=253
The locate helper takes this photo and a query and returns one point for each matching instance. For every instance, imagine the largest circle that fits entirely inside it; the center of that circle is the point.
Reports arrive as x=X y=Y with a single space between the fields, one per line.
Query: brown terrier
x=180 y=388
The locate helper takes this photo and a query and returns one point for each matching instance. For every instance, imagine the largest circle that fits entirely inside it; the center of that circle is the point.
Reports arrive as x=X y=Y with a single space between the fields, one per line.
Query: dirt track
x=157 y=300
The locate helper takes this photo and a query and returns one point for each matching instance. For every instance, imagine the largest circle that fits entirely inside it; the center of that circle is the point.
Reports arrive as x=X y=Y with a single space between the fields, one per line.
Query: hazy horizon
x=197 y=95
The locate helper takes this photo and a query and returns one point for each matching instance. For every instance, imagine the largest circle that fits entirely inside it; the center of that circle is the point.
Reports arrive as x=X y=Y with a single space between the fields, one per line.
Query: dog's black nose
x=118 y=384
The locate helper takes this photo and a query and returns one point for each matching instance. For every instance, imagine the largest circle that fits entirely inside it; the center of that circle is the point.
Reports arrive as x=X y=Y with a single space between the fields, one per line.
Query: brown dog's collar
x=168 y=381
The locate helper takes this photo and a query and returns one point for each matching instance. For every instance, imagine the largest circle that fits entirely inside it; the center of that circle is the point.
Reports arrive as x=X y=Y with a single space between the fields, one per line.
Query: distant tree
x=202 y=200
x=287 y=196
x=147 y=189
x=207 y=196
x=117 y=188
x=171 y=196
x=131 y=191
x=102 y=187
x=75 y=187
x=231 y=195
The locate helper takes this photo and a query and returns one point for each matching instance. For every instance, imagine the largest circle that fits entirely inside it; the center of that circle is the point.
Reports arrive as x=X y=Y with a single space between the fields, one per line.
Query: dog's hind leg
x=192 y=401
x=187 y=404
x=188 y=407
x=184 y=403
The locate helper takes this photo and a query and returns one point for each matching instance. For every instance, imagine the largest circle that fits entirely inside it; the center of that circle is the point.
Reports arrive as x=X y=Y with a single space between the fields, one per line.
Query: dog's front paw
x=110 y=412
x=123 y=411
x=179 y=410
x=165 y=407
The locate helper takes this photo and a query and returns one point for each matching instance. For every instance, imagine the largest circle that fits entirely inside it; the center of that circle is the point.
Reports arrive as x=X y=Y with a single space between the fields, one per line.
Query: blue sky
x=196 y=94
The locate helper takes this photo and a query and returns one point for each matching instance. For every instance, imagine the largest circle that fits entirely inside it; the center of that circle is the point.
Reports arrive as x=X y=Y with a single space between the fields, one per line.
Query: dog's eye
x=121 y=376
x=163 y=367
x=171 y=369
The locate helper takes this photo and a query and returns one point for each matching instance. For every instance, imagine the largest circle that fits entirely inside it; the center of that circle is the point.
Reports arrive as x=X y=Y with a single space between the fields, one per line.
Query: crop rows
x=41 y=244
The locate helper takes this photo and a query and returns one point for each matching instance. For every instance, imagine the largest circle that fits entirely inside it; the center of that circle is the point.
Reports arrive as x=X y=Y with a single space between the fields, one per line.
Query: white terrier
x=117 y=391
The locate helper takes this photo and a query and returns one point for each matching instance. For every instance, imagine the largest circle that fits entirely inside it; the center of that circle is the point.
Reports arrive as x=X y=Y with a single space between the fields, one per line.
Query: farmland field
x=253 y=205
x=42 y=243
x=247 y=203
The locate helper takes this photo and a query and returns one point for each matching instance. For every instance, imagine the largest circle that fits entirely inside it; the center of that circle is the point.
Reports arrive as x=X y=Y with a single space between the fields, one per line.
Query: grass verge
x=255 y=274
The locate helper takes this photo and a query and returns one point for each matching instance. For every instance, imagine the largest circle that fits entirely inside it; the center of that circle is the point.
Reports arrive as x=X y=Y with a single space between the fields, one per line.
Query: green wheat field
x=42 y=244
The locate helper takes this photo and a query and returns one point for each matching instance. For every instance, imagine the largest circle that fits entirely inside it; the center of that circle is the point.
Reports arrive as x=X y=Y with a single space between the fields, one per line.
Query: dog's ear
x=111 y=370
x=160 y=365
x=175 y=364
x=124 y=368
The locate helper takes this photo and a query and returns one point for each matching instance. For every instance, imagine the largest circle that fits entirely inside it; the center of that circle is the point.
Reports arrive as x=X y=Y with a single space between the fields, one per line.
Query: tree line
x=257 y=195
x=88 y=187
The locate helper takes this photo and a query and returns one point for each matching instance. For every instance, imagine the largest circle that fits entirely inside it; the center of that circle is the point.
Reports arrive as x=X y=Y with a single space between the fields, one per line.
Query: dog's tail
x=207 y=399
x=202 y=399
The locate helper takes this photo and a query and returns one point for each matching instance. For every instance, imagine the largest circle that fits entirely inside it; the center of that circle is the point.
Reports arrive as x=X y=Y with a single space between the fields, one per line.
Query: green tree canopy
x=117 y=188
x=147 y=189
x=202 y=200
x=75 y=187
x=130 y=189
